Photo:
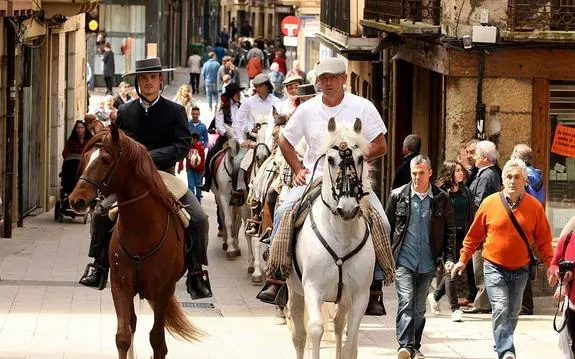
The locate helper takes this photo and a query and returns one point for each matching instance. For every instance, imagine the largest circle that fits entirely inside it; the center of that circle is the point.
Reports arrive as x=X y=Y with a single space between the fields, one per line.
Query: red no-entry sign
x=290 y=26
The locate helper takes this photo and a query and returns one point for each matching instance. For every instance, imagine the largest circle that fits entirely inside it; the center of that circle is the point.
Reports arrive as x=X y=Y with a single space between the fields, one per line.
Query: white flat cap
x=331 y=65
x=260 y=79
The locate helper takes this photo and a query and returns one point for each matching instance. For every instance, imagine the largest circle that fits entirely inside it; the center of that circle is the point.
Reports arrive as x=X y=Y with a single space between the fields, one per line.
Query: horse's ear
x=357 y=125
x=115 y=132
x=274 y=112
x=331 y=125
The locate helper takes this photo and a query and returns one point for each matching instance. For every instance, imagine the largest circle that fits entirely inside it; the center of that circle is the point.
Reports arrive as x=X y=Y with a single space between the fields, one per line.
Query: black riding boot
x=197 y=282
x=375 y=305
x=96 y=274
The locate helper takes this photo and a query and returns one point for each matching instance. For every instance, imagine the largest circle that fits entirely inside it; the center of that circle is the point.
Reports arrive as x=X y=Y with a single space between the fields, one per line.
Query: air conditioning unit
x=485 y=34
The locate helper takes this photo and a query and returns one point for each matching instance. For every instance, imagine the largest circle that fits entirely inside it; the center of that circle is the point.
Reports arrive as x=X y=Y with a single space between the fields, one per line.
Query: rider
x=286 y=106
x=229 y=105
x=309 y=121
x=255 y=107
x=160 y=125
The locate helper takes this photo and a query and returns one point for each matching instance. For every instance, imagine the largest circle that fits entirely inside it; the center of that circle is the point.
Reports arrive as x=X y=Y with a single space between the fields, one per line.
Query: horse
x=231 y=216
x=334 y=250
x=147 y=246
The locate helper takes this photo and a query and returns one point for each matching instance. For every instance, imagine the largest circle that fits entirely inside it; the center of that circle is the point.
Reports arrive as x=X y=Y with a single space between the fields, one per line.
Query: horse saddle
x=216 y=162
x=177 y=188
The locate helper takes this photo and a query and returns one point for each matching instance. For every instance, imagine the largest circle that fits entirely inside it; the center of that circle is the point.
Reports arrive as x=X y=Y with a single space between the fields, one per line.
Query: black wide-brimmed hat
x=307 y=90
x=147 y=66
x=231 y=90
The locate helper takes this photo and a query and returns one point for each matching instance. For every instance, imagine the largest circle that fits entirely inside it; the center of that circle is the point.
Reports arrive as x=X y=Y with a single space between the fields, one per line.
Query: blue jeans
x=505 y=290
x=412 y=291
x=212 y=94
x=195 y=180
x=295 y=194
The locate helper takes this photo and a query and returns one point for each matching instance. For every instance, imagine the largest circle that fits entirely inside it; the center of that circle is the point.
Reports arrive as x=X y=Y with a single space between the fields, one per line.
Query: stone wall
x=457 y=21
x=512 y=96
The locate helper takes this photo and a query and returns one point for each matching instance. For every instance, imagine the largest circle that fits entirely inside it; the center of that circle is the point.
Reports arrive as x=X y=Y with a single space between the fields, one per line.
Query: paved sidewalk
x=45 y=314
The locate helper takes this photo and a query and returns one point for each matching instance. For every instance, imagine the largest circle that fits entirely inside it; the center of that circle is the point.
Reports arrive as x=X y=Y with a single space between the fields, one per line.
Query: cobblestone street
x=45 y=314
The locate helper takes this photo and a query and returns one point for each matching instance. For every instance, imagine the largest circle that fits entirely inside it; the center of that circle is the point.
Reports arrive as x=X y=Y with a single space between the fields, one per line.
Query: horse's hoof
x=251 y=270
x=224 y=246
x=257 y=279
x=237 y=253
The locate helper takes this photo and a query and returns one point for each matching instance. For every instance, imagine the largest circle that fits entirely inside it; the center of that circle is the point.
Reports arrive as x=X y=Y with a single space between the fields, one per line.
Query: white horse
x=232 y=216
x=337 y=276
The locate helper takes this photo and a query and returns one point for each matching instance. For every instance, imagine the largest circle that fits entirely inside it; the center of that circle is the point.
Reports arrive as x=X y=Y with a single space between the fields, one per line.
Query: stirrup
x=265 y=238
x=254 y=227
x=281 y=298
x=103 y=279
x=379 y=300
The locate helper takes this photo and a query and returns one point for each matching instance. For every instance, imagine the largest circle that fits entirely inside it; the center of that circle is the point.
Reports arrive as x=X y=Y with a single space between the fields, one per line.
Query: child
x=195 y=162
x=227 y=79
x=197 y=126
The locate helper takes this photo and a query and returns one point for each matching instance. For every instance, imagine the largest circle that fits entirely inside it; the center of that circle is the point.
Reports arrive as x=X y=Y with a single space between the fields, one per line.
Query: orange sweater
x=503 y=244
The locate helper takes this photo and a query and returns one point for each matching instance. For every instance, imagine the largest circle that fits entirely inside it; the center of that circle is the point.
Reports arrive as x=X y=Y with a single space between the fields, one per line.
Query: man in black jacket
x=486 y=182
x=411 y=148
x=160 y=125
x=422 y=235
x=109 y=67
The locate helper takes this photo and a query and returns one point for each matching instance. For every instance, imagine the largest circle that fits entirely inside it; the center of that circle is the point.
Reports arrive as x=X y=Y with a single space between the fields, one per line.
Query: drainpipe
x=480 y=106
x=385 y=107
x=377 y=99
x=10 y=115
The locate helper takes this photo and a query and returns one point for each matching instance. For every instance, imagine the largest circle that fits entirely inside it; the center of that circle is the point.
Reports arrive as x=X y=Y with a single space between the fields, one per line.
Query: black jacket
x=403 y=172
x=471 y=207
x=109 y=66
x=442 y=236
x=485 y=183
x=163 y=129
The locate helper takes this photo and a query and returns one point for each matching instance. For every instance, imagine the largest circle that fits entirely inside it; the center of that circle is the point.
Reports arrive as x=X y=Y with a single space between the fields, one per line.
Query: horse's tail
x=178 y=325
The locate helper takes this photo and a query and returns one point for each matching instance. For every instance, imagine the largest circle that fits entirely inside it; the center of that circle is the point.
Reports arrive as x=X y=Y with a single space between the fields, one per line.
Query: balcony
x=541 y=15
x=16 y=7
x=68 y=7
x=393 y=11
x=335 y=15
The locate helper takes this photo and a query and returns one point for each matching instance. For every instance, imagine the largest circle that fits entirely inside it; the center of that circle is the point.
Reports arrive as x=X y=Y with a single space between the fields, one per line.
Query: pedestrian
x=276 y=79
x=486 y=182
x=312 y=78
x=423 y=232
x=194 y=67
x=281 y=61
x=451 y=180
x=226 y=80
x=210 y=76
x=227 y=68
x=469 y=162
x=296 y=70
x=195 y=162
x=225 y=37
x=410 y=149
x=196 y=126
x=562 y=269
x=246 y=30
x=509 y=223
x=184 y=97
x=109 y=67
x=220 y=52
x=77 y=141
x=123 y=95
x=254 y=66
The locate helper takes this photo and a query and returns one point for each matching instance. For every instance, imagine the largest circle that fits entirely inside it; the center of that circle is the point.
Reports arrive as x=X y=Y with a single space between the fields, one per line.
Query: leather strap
x=516 y=224
x=339 y=261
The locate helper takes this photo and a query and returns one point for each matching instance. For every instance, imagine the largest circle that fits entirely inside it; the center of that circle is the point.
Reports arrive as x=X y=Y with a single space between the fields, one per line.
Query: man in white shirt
x=309 y=121
x=255 y=109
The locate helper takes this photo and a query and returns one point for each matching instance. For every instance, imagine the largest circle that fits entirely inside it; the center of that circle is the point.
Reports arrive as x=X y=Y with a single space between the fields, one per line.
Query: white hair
x=513 y=164
x=274 y=67
x=487 y=149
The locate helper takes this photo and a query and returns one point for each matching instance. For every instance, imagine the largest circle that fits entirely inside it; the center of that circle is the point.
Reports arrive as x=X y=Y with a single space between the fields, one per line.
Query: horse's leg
x=133 y=321
x=358 y=305
x=339 y=326
x=124 y=305
x=158 y=333
x=296 y=308
x=315 y=321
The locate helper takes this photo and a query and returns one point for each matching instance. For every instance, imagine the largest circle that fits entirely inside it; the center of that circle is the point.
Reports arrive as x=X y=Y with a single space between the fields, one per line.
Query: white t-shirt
x=310 y=120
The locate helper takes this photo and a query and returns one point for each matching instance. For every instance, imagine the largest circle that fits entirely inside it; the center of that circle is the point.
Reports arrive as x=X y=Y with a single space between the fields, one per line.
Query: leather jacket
x=442 y=236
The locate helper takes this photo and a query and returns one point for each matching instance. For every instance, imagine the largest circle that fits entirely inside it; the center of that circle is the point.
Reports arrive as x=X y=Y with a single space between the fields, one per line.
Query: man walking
x=507 y=249
x=411 y=148
x=422 y=233
x=109 y=68
x=210 y=76
x=486 y=182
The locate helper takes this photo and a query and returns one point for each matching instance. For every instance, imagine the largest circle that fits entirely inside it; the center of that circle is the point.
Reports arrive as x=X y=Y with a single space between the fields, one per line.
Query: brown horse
x=147 y=247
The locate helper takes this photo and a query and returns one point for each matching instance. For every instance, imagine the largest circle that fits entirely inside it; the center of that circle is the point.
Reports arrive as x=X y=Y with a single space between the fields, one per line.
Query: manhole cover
x=197 y=305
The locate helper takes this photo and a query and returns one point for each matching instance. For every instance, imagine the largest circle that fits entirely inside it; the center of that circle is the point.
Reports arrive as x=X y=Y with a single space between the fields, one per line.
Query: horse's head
x=280 y=119
x=345 y=176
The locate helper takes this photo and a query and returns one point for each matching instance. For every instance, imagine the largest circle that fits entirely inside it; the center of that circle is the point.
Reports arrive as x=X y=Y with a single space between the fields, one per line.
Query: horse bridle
x=348 y=180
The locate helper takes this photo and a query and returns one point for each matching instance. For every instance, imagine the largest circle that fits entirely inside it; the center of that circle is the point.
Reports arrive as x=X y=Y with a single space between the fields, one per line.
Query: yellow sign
x=93 y=25
x=564 y=141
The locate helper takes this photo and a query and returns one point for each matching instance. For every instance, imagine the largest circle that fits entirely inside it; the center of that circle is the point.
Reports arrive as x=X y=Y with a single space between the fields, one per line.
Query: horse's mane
x=138 y=158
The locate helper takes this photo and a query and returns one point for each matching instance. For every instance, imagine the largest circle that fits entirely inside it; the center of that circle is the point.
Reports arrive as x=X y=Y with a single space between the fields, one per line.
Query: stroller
x=68 y=179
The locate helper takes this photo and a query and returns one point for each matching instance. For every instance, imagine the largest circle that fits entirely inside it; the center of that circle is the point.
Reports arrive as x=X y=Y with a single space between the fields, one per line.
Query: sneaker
x=403 y=353
x=456 y=315
x=418 y=355
x=433 y=304
x=509 y=355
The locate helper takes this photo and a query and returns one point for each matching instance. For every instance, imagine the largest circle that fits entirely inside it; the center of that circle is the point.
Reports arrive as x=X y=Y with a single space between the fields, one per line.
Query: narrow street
x=45 y=314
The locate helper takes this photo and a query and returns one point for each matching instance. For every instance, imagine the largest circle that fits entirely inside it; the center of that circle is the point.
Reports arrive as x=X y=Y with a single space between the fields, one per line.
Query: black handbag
x=533 y=261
